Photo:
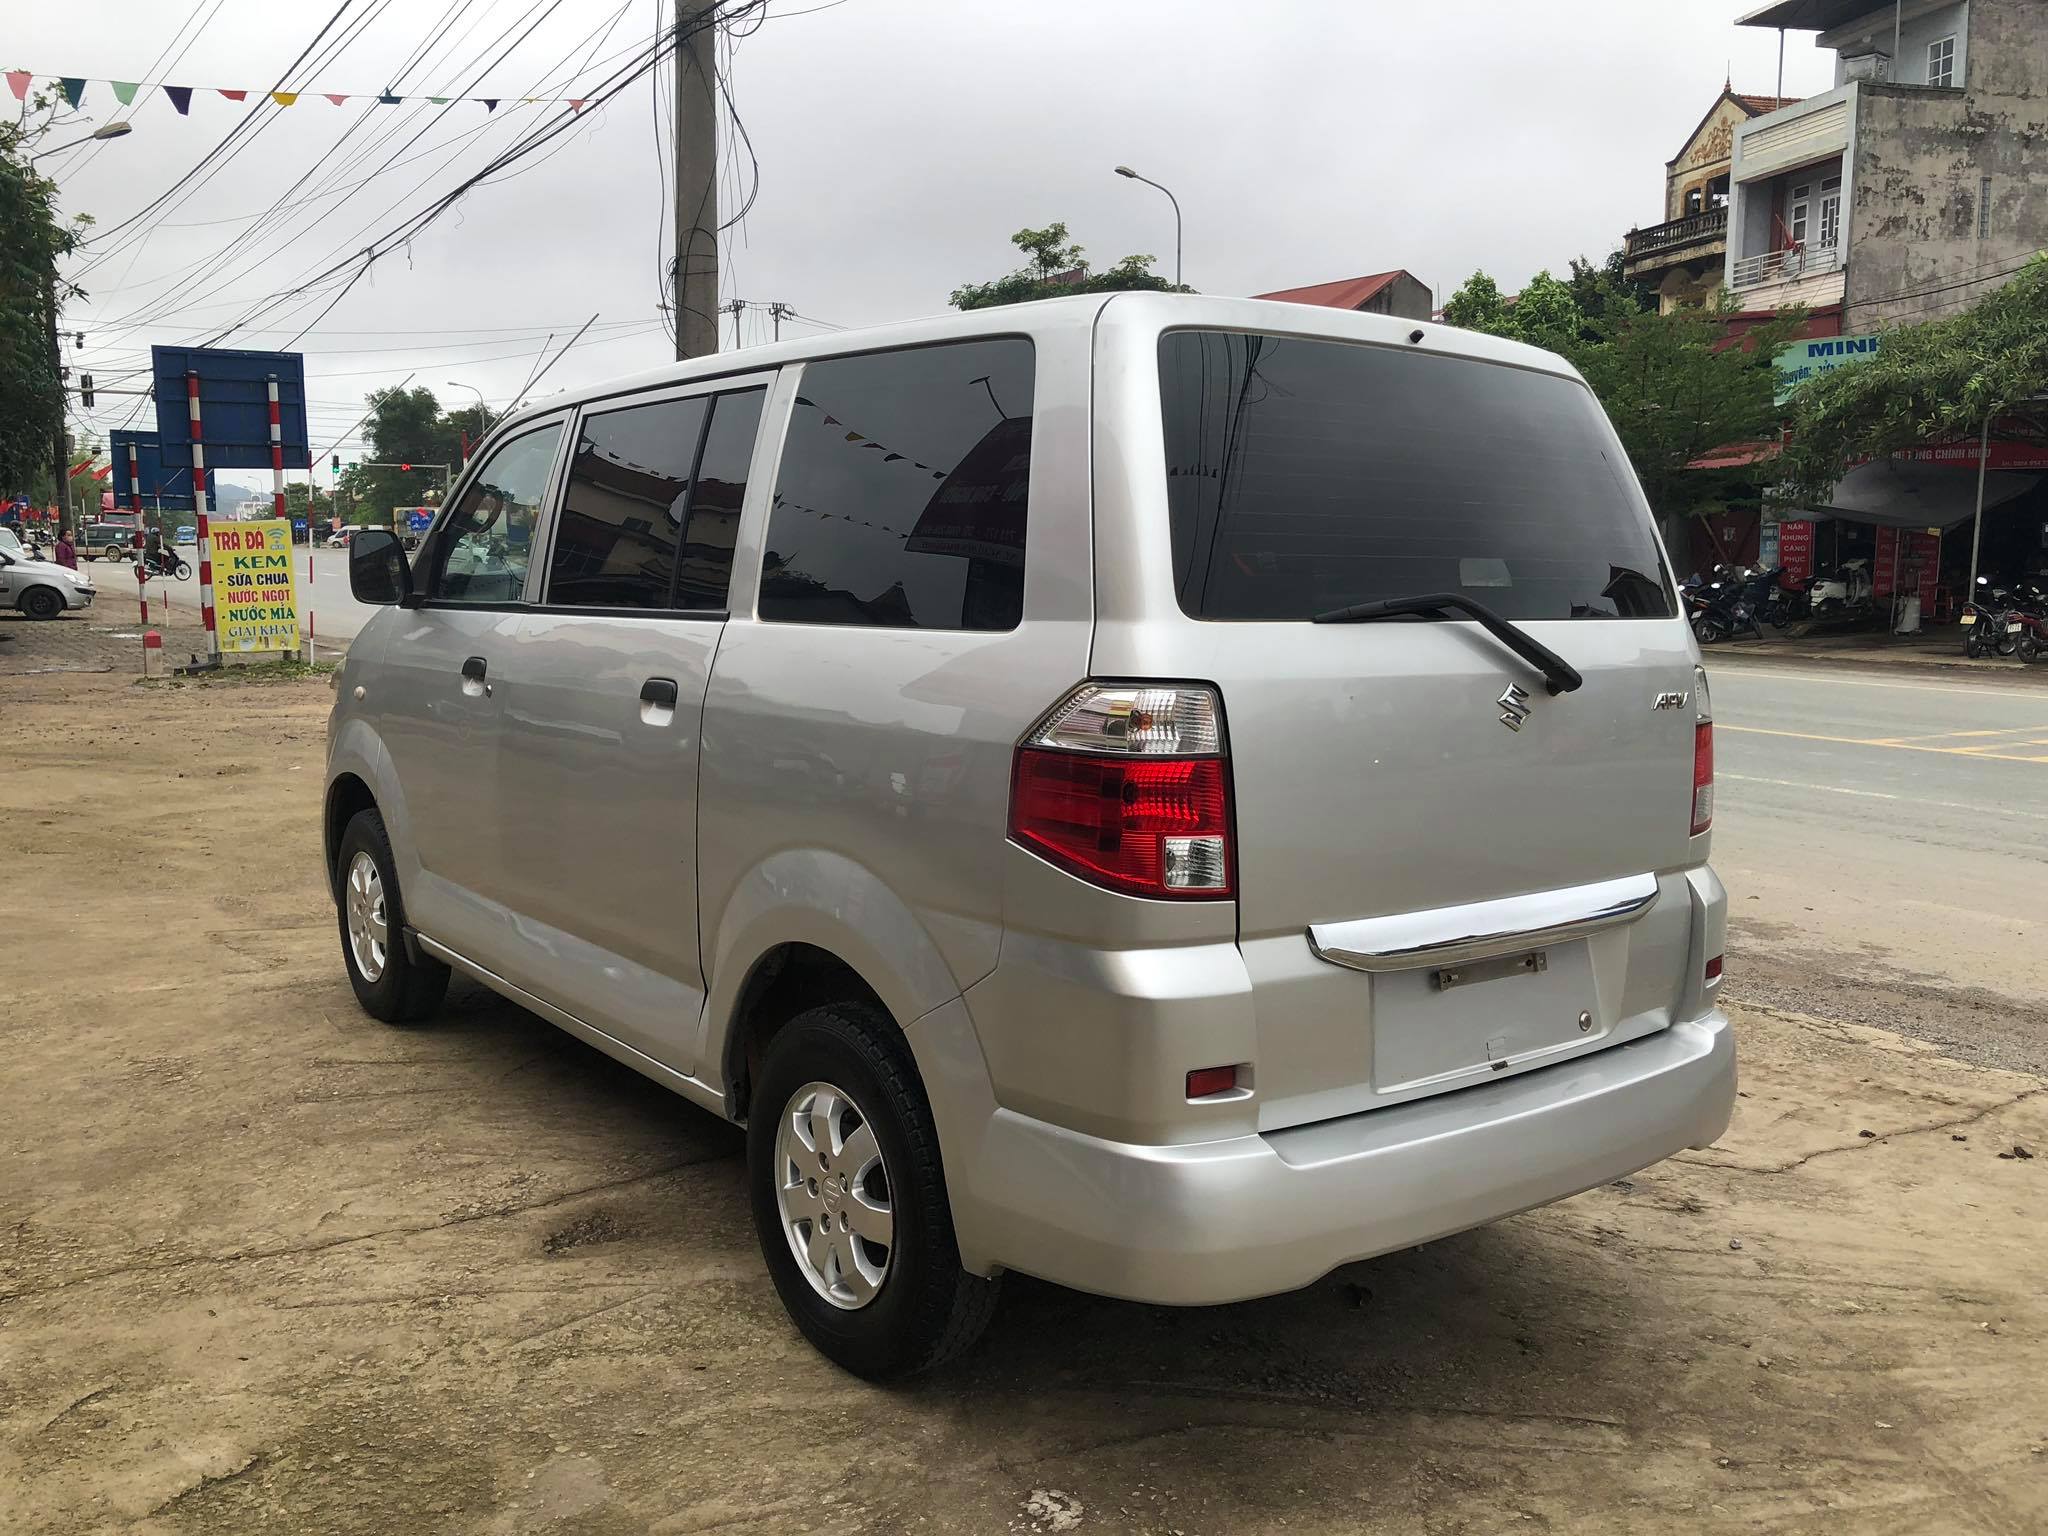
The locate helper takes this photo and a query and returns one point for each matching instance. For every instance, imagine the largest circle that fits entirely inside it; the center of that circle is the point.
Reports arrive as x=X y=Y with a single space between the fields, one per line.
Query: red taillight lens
x=1713 y=970
x=1702 y=777
x=1147 y=826
x=1206 y=1082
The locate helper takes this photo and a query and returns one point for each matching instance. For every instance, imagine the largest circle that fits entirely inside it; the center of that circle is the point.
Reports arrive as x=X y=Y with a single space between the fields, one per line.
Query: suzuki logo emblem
x=1514 y=707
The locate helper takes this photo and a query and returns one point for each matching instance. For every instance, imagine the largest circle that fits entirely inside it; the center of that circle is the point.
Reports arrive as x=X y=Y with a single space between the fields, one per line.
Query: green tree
x=1936 y=381
x=1058 y=268
x=1676 y=389
x=32 y=239
x=1673 y=384
x=406 y=426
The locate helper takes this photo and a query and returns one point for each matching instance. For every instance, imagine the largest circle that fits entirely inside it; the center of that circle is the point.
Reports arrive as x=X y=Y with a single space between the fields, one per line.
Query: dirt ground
x=268 y=1264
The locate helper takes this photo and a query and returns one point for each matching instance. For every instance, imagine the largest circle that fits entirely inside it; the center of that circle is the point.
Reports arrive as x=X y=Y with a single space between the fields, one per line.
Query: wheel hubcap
x=832 y=1191
x=368 y=931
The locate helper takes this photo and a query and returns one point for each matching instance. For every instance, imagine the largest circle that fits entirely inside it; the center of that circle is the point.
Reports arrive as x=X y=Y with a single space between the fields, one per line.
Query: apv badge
x=1514 y=707
x=1668 y=701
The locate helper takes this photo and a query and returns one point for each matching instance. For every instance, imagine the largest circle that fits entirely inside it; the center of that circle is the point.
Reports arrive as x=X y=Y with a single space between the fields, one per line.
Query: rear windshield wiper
x=1558 y=674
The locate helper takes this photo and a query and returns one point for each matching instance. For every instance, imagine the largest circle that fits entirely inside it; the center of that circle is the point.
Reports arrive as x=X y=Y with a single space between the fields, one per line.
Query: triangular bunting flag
x=284 y=98
x=490 y=103
x=439 y=101
x=855 y=437
x=575 y=103
x=74 y=89
x=17 y=82
x=801 y=400
x=181 y=97
x=387 y=99
x=124 y=91
x=892 y=457
x=834 y=421
x=335 y=97
x=236 y=95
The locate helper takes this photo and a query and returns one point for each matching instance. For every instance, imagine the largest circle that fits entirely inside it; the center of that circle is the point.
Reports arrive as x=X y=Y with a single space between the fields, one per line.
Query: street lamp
x=482 y=405
x=1125 y=170
x=111 y=131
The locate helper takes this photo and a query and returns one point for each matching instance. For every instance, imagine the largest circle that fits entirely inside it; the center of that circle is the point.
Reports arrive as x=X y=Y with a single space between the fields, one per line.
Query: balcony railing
x=1786 y=266
x=1693 y=229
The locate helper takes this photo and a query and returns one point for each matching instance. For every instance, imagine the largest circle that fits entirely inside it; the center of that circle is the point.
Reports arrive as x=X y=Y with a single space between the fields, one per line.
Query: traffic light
x=85 y=390
x=337 y=463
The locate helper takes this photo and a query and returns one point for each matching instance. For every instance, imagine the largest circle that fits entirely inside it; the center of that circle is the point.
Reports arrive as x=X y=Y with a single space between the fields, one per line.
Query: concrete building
x=1401 y=294
x=1684 y=257
x=1916 y=184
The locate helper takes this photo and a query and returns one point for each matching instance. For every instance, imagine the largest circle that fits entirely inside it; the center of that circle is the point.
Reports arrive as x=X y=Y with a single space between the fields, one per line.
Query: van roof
x=1158 y=311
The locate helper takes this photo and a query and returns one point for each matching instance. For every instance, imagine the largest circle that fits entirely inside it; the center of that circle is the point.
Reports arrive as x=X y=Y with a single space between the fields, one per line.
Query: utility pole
x=776 y=311
x=60 y=450
x=696 y=144
x=734 y=307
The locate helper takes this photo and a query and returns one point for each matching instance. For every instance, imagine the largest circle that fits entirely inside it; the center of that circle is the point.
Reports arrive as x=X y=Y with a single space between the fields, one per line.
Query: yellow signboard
x=255 y=590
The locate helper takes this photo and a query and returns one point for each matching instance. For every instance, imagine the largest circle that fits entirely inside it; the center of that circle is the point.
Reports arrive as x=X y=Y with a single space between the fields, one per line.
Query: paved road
x=1885 y=843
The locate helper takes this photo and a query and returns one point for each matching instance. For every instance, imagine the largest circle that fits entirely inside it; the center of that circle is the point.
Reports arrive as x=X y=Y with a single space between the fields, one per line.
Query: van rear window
x=1307 y=475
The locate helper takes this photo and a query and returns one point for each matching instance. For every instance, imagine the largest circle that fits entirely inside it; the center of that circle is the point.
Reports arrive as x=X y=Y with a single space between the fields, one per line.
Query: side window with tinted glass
x=901 y=498
x=653 y=503
x=482 y=550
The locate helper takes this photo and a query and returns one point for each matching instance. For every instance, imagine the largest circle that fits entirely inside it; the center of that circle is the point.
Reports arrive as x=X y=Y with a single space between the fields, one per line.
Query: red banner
x=1795 y=552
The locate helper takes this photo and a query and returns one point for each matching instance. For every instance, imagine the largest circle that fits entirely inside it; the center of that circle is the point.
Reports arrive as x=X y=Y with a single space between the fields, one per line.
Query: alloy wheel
x=832 y=1192
x=369 y=933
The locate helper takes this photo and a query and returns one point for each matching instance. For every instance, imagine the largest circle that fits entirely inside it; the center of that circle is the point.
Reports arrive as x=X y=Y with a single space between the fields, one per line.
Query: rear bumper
x=1254 y=1215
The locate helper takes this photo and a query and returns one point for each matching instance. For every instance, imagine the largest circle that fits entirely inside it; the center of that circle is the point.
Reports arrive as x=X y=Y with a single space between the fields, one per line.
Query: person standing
x=67 y=553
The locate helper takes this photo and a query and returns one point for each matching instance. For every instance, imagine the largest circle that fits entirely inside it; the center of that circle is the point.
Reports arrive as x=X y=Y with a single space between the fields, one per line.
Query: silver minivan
x=1167 y=794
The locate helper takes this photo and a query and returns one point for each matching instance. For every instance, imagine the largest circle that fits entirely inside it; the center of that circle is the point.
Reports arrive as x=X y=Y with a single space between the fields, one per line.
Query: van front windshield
x=1306 y=475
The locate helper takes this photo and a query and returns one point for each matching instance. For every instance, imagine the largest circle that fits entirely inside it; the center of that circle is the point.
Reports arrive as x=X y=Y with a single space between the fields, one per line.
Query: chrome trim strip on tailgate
x=1404 y=941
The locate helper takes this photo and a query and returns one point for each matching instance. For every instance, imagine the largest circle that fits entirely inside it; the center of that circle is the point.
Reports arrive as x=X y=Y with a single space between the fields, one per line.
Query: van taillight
x=1128 y=787
x=1702 y=777
x=1702 y=754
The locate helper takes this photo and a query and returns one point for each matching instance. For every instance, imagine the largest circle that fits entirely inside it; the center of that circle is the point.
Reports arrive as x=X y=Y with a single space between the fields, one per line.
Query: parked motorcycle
x=1718 y=604
x=1848 y=593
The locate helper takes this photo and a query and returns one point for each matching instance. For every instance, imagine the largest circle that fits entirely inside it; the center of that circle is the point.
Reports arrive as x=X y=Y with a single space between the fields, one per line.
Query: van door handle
x=474 y=668
x=659 y=691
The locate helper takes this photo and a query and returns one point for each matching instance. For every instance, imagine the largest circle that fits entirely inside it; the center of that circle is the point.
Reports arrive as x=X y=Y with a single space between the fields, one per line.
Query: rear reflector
x=1702 y=777
x=1147 y=826
x=1713 y=970
x=1206 y=1082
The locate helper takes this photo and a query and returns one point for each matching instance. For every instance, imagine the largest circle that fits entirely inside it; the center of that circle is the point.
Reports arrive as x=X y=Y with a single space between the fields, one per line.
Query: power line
x=248 y=124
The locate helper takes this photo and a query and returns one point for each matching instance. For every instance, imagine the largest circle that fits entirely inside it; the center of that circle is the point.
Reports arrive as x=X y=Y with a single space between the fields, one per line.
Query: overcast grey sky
x=900 y=142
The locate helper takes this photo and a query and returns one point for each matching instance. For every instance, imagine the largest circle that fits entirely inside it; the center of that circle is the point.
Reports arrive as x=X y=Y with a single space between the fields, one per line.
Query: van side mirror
x=378 y=572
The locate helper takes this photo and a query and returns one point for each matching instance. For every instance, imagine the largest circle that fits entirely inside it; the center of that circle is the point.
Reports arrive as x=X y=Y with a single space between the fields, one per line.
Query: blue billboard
x=234 y=406
x=161 y=488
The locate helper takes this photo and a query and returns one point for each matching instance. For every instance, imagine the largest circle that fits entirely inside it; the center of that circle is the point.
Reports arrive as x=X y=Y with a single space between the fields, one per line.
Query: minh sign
x=1808 y=359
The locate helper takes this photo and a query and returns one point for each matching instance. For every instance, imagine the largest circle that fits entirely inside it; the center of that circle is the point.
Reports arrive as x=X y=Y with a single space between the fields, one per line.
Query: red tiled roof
x=1757 y=106
x=1350 y=293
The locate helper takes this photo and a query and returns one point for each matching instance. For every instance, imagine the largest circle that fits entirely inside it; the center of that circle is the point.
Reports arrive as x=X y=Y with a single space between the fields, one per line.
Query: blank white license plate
x=1969 y=618
x=2013 y=629
x=1422 y=1032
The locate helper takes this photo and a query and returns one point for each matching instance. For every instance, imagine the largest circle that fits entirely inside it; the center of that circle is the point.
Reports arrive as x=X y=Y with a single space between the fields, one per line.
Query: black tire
x=2027 y=646
x=1707 y=629
x=928 y=1309
x=1975 y=642
x=184 y=570
x=116 y=552
x=41 y=603
x=408 y=989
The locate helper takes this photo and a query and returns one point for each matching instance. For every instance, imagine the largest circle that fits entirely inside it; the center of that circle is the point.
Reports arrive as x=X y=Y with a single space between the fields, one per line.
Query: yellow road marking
x=1988 y=692
x=1892 y=745
x=2005 y=730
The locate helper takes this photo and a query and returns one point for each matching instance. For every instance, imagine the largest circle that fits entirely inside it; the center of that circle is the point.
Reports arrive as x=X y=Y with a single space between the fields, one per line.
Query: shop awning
x=1892 y=493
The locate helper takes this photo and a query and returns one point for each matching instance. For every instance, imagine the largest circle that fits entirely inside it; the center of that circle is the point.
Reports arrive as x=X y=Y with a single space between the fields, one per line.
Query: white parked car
x=42 y=589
